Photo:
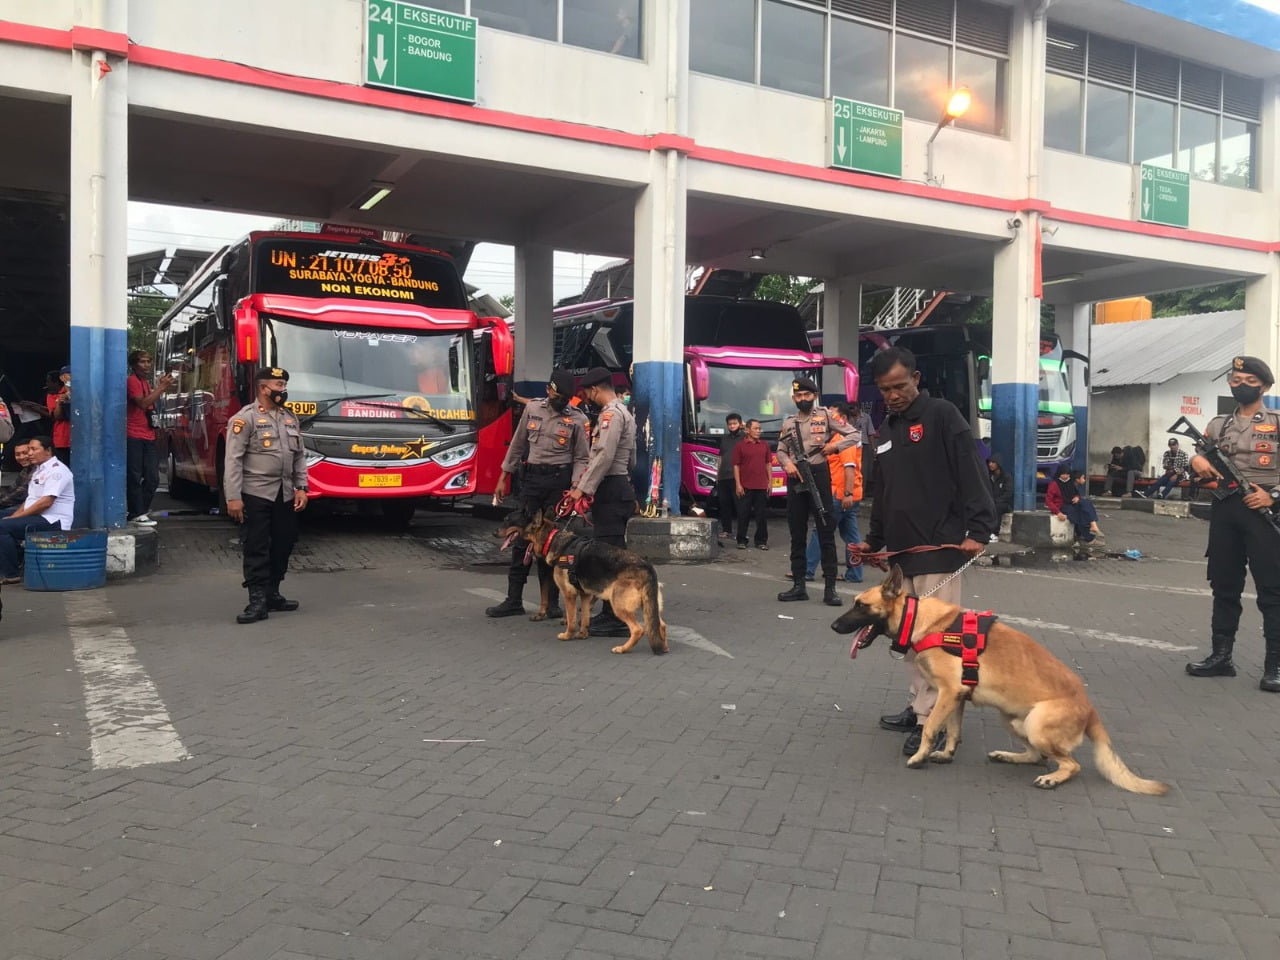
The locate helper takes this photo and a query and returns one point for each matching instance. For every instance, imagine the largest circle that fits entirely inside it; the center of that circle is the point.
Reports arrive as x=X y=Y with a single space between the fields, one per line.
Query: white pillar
x=1015 y=359
x=841 y=317
x=534 y=302
x=1262 y=322
x=1074 y=323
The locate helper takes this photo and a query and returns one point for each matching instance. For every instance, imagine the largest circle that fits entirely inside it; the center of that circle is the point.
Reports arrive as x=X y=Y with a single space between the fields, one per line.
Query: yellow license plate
x=301 y=408
x=779 y=482
x=381 y=479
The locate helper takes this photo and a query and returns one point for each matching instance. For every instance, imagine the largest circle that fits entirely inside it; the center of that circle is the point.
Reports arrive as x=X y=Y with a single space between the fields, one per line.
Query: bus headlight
x=709 y=460
x=455 y=455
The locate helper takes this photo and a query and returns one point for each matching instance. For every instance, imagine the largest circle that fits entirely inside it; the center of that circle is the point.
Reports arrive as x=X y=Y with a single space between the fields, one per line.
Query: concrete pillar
x=98 y=276
x=841 y=317
x=534 y=302
x=1015 y=359
x=1262 y=322
x=1073 y=325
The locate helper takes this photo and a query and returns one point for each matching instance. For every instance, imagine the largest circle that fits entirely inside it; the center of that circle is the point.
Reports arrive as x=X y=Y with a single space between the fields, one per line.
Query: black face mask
x=557 y=403
x=278 y=397
x=1246 y=394
x=804 y=406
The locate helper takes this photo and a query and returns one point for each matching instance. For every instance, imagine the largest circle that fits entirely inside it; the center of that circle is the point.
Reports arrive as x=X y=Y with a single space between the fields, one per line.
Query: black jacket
x=930 y=487
x=727 y=443
x=1001 y=486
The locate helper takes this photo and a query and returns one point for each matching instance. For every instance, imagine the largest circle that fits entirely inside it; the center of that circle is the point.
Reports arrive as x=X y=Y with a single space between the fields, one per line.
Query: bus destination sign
x=310 y=269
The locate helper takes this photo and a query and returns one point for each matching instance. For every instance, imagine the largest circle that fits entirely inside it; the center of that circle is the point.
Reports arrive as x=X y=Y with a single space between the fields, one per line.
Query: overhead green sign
x=865 y=138
x=1164 y=196
x=416 y=49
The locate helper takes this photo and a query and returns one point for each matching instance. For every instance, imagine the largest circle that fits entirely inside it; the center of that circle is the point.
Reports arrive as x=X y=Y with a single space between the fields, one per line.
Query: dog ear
x=892 y=587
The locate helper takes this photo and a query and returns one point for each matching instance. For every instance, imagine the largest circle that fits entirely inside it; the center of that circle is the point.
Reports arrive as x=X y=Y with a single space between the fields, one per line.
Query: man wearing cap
x=549 y=450
x=607 y=478
x=1250 y=438
x=58 y=400
x=265 y=481
x=820 y=436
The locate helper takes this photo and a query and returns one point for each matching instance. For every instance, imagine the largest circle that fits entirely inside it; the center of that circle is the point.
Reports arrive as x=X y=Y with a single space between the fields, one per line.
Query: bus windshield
x=366 y=373
x=1055 y=388
x=764 y=395
x=355 y=271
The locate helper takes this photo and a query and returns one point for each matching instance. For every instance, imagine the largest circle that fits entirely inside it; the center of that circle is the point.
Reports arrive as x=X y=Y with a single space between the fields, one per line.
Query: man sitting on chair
x=50 y=502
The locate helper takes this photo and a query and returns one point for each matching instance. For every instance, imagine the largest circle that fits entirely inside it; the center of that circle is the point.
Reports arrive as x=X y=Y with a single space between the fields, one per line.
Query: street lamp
x=957 y=106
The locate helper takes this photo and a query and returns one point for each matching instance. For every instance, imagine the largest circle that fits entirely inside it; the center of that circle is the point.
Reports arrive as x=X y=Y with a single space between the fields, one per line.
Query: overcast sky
x=152 y=226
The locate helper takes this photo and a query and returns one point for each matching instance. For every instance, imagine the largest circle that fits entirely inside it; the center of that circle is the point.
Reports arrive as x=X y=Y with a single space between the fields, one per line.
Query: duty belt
x=546 y=467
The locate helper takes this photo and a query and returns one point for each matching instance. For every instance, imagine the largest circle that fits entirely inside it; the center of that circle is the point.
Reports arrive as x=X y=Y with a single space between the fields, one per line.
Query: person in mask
x=549 y=451
x=726 y=488
x=265 y=482
x=1238 y=534
x=1066 y=501
x=820 y=435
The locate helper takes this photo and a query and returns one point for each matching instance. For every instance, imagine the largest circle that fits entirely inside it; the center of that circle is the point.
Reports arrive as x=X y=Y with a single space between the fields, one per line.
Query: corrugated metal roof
x=1153 y=351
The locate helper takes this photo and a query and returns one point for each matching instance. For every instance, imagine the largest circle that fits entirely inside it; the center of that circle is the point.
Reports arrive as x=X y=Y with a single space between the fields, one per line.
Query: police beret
x=272 y=373
x=802 y=384
x=1254 y=366
x=596 y=376
x=561 y=381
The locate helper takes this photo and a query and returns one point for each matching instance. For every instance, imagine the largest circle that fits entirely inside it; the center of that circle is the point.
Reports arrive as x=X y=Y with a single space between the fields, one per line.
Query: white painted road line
x=684 y=635
x=129 y=725
x=1105 y=635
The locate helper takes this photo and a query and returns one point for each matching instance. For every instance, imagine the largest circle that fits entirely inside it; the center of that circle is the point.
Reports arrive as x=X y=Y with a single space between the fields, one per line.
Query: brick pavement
x=690 y=806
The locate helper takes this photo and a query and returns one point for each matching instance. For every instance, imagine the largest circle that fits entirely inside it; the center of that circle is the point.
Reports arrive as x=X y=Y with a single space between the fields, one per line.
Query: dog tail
x=653 y=624
x=1112 y=767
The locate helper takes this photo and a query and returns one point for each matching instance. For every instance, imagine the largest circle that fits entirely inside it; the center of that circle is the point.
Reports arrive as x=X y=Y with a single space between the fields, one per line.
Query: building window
x=612 y=26
x=532 y=18
x=844 y=48
x=1141 y=106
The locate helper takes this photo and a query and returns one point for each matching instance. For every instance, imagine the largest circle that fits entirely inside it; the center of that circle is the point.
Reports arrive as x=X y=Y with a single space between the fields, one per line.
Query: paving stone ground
x=688 y=806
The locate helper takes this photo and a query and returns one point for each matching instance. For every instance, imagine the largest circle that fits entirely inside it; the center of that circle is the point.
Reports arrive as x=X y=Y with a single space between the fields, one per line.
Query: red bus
x=389 y=369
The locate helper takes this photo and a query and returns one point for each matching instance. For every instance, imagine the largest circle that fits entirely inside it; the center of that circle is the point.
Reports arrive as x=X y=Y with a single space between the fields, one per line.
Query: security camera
x=1014 y=223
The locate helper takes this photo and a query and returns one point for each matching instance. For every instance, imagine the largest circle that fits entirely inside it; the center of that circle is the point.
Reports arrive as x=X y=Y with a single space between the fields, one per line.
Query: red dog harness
x=966 y=638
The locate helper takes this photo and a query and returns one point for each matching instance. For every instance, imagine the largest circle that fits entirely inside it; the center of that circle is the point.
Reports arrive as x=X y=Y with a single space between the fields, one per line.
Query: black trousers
x=754 y=504
x=729 y=503
x=540 y=489
x=799 y=511
x=614 y=504
x=142 y=476
x=1238 y=535
x=267 y=536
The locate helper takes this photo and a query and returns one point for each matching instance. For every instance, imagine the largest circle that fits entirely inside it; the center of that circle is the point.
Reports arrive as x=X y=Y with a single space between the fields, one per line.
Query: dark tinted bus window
x=356 y=271
x=744 y=323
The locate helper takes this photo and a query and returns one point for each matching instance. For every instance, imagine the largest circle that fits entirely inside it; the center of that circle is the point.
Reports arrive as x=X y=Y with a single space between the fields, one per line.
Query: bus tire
x=179 y=488
x=398 y=513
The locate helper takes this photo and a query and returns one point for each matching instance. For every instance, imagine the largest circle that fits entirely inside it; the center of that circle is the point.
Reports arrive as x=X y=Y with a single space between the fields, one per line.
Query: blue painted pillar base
x=1014 y=408
x=99 y=370
x=1081 y=461
x=1270 y=402
x=658 y=403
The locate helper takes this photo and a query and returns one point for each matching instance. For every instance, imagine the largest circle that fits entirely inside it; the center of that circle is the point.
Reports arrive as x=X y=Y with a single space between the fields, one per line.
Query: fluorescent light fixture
x=376 y=193
x=757 y=253
x=1065 y=278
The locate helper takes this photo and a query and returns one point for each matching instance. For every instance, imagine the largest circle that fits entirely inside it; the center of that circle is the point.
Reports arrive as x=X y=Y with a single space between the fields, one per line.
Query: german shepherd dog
x=623 y=578
x=1043 y=701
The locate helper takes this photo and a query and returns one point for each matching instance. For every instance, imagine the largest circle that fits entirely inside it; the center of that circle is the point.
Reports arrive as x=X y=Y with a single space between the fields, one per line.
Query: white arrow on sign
x=840 y=148
x=380 y=59
x=1146 y=201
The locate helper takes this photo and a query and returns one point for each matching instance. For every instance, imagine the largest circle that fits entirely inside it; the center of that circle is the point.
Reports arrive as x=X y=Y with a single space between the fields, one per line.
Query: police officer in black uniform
x=1238 y=533
x=549 y=450
x=265 y=481
x=607 y=479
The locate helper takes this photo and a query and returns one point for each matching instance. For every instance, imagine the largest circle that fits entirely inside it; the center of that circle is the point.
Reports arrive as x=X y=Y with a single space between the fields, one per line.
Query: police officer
x=608 y=478
x=1250 y=437
x=820 y=437
x=549 y=450
x=265 y=480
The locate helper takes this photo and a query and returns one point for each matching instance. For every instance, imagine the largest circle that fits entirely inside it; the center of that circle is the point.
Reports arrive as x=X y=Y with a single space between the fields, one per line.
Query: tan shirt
x=264 y=454
x=817 y=430
x=613 y=446
x=1252 y=444
x=547 y=438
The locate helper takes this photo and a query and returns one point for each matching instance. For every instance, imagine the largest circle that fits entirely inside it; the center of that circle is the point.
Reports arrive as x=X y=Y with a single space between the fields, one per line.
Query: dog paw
x=537 y=617
x=1046 y=782
x=620 y=649
x=564 y=636
x=998 y=756
x=940 y=756
x=918 y=761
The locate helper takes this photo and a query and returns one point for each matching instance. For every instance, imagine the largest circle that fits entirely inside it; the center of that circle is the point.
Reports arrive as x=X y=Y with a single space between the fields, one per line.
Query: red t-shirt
x=752 y=460
x=135 y=419
x=61 y=428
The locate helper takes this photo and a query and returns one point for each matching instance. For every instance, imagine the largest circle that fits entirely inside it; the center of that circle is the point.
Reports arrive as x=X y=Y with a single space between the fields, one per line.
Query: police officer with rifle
x=1241 y=451
x=807 y=439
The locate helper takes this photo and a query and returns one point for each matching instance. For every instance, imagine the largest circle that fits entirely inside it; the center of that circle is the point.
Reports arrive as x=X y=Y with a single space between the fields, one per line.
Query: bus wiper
x=322 y=406
x=424 y=414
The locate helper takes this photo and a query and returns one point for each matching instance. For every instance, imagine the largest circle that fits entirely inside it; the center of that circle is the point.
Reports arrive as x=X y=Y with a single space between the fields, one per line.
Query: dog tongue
x=857 y=642
x=528 y=555
x=511 y=538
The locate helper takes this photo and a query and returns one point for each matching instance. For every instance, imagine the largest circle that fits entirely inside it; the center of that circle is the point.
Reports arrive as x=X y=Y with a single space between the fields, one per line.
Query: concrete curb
x=132 y=551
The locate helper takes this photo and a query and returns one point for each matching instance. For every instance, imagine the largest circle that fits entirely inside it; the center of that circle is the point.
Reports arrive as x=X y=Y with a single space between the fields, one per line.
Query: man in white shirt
x=51 y=500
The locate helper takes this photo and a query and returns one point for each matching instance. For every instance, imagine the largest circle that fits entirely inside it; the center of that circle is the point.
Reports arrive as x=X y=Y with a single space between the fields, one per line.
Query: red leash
x=566 y=507
x=877 y=558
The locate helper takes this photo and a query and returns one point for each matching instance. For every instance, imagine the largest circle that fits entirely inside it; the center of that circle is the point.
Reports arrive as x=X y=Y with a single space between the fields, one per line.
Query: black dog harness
x=966 y=638
x=573 y=551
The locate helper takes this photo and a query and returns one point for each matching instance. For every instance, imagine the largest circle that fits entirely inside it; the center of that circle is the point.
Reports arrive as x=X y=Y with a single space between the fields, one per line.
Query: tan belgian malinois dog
x=1043 y=701
x=585 y=569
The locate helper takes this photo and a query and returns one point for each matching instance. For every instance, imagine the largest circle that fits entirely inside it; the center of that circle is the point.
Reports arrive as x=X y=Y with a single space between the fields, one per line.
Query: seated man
x=14 y=495
x=49 y=504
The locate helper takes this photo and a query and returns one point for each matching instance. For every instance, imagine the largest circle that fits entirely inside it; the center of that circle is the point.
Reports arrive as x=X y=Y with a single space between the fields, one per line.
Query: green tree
x=784 y=288
x=146 y=306
x=508 y=300
x=1222 y=296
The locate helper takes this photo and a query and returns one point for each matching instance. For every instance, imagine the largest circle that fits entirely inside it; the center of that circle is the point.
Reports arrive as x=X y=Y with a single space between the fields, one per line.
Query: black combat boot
x=606 y=624
x=1270 y=681
x=513 y=606
x=277 y=602
x=257 y=608
x=829 y=596
x=1216 y=664
x=797 y=592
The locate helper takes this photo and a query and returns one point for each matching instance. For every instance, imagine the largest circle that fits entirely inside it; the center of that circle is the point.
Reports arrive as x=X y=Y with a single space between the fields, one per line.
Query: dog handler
x=1250 y=437
x=608 y=478
x=549 y=450
x=930 y=488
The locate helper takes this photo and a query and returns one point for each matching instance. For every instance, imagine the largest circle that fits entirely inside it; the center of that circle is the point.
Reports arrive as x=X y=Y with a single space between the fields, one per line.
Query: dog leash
x=567 y=507
x=877 y=558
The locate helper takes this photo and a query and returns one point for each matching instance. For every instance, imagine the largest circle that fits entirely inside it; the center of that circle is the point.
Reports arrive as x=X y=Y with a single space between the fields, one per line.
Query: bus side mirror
x=983 y=370
x=503 y=345
x=700 y=378
x=248 y=335
x=851 y=382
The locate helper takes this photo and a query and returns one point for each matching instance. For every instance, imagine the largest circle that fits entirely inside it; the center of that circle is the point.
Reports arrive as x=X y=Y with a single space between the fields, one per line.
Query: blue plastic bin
x=66 y=559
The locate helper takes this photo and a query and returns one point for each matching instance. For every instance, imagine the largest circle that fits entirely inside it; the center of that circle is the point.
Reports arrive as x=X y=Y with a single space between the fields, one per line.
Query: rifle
x=806 y=484
x=1233 y=482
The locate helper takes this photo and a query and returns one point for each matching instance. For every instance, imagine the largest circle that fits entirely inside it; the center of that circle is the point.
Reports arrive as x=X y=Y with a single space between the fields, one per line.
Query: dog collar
x=902 y=642
x=546 y=546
